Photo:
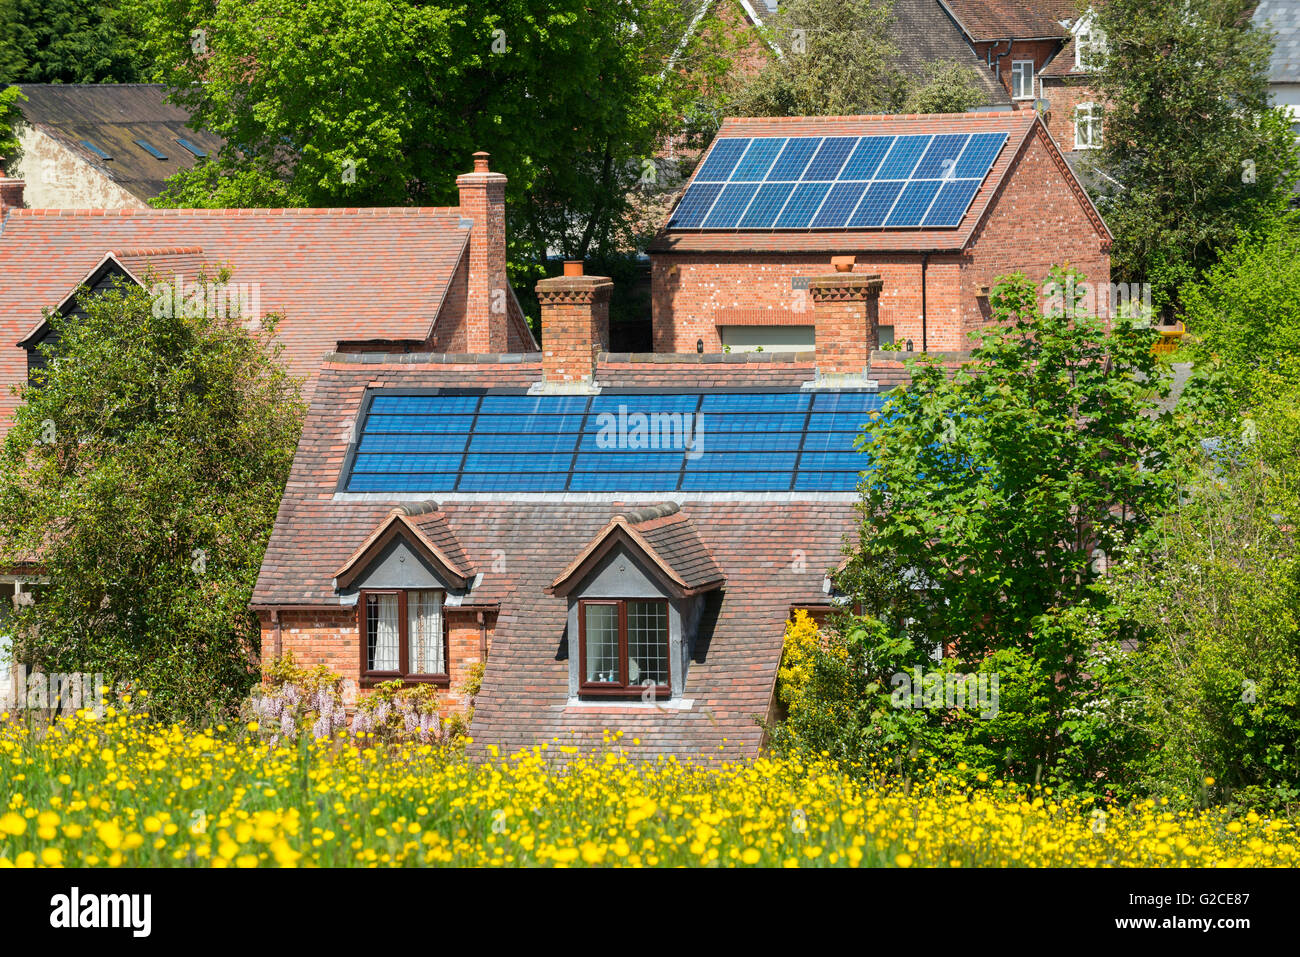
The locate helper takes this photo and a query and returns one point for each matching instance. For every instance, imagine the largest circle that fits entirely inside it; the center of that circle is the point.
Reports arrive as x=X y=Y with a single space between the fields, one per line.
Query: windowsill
x=374 y=681
x=1023 y=99
x=622 y=704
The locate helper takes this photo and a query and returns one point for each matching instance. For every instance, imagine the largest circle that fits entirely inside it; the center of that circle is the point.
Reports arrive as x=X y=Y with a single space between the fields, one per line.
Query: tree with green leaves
x=68 y=41
x=948 y=87
x=1192 y=153
x=839 y=58
x=1213 y=593
x=992 y=497
x=143 y=473
x=10 y=115
x=382 y=102
x=1244 y=313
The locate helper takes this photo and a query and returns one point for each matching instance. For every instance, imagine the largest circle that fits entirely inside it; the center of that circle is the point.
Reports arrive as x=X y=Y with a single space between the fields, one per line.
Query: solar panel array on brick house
x=837 y=182
x=705 y=441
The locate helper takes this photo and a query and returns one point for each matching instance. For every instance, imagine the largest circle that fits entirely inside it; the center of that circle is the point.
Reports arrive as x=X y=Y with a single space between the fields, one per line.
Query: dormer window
x=402 y=579
x=402 y=635
x=1088 y=43
x=623 y=646
x=636 y=595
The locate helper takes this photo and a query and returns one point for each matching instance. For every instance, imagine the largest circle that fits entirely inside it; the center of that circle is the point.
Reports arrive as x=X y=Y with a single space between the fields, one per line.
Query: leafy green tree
x=949 y=87
x=357 y=102
x=1191 y=151
x=144 y=470
x=68 y=41
x=1244 y=313
x=10 y=114
x=1214 y=592
x=992 y=487
x=992 y=496
x=835 y=59
x=840 y=58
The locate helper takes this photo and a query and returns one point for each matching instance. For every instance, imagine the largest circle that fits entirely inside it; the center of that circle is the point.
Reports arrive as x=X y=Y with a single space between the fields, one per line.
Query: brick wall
x=694 y=293
x=329 y=636
x=1063 y=94
x=1039 y=51
x=1037 y=221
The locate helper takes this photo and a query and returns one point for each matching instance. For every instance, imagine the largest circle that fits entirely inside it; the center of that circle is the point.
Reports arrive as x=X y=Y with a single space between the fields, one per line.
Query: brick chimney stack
x=846 y=313
x=483 y=200
x=575 y=324
x=11 y=190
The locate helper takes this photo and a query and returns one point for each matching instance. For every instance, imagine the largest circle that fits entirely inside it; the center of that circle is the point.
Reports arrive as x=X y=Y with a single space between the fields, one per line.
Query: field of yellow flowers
x=123 y=791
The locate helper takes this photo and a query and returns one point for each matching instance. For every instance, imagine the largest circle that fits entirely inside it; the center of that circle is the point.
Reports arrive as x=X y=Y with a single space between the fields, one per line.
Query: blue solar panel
x=407 y=463
x=735 y=482
x=644 y=402
x=777 y=182
x=876 y=203
x=847 y=402
x=722 y=159
x=841 y=201
x=830 y=157
x=794 y=159
x=976 y=160
x=758 y=160
x=690 y=212
x=804 y=202
x=952 y=202
x=866 y=157
x=527 y=423
x=902 y=157
x=755 y=402
x=419 y=423
x=414 y=443
x=441 y=404
x=911 y=206
x=763 y=210
x=550 y=404
x=633 y=442
x=533 y=442
x=733 y=201
x=940 y=157
x=826 y=481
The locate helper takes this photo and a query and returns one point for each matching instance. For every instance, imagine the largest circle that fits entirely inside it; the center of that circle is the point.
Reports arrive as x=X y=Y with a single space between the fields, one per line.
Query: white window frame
x=1018 y=77
x=1087 y=40
x=1093 y=123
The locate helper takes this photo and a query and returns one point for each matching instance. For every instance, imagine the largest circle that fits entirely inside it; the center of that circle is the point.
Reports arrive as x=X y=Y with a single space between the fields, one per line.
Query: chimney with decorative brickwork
x=846 y=312
x=575 y=324
x=483 y=200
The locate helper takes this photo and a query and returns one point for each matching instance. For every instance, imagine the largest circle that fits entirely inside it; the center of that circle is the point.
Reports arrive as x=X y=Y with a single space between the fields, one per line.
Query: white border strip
x=596 y=498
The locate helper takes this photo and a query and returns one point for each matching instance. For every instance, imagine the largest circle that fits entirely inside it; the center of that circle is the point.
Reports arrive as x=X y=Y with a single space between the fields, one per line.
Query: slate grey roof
x=113 y=116
x=924 y=33
x=1283 y=17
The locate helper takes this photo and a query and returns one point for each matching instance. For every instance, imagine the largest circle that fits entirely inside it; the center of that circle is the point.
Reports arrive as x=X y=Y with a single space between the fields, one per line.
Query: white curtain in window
x=424 y=632
x=382 y=614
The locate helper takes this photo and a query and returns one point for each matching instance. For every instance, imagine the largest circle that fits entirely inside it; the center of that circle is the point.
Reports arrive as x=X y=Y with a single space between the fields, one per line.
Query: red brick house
x=445 y=510
x=1039 y=53
x=937 y=206
x=350 y=279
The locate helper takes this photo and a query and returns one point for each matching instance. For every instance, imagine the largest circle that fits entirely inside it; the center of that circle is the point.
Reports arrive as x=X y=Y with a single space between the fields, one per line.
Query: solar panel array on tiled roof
x=612 y=442
x=837 y=182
